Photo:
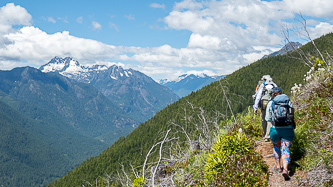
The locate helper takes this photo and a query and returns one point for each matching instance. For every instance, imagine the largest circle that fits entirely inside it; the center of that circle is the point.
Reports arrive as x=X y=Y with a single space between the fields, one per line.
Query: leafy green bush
x=234 y=162
x=139 y=182
x=248 y=121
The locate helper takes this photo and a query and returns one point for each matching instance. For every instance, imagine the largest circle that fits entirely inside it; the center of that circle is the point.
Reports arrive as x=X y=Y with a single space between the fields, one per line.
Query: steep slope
x=135 y=93
x=51 y=125
x=82 y=106
x=186 y=84
x=238 y=87
x=26 y=159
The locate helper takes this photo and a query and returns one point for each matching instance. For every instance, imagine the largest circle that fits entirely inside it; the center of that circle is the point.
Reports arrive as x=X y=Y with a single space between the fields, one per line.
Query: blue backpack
x=282 y=112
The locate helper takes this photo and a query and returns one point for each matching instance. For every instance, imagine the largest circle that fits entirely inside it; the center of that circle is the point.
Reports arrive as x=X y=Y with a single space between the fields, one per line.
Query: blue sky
x=122 y=22
x=160 y=38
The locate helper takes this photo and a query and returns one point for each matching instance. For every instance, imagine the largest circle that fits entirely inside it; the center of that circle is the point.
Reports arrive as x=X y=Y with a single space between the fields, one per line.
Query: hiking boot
x=285 y=175
x=277 y=169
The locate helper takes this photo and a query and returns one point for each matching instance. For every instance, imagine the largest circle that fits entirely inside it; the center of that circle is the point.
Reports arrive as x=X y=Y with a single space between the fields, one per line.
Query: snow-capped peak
x=198 y=75
x=67 y=65
x=72 y=69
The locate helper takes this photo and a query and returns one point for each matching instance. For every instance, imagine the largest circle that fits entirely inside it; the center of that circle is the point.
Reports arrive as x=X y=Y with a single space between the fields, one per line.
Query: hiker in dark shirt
x=281 y=133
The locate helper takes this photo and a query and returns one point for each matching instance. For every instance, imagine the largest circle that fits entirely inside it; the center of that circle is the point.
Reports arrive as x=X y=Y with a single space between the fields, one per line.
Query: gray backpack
x=266 y=97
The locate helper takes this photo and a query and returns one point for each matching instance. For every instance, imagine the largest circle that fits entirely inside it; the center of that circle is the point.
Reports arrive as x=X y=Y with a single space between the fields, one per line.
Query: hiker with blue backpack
x=262 y=97
x=281 y=114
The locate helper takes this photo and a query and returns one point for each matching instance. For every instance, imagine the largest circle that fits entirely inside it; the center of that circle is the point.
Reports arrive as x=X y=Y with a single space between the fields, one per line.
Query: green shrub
x=234 y=162
x=139 y=182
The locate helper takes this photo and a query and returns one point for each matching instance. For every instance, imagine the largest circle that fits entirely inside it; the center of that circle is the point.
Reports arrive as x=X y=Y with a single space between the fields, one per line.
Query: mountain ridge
x=137 y=94
x=285 y=49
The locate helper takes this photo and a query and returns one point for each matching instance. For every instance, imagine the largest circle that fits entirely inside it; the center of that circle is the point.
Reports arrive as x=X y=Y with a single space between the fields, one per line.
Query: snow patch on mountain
x=71 y=68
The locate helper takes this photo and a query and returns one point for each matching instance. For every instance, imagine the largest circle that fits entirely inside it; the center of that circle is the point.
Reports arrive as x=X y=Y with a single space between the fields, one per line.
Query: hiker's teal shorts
x=278 y=133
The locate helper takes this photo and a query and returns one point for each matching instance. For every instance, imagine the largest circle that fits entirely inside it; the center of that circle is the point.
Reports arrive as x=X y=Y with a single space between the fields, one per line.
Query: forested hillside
x=50 y=125
x=209 y=105
x=27 y=159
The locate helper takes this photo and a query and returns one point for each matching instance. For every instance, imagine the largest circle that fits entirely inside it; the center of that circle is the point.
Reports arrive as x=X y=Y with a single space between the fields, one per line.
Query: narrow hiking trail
x=276 y=179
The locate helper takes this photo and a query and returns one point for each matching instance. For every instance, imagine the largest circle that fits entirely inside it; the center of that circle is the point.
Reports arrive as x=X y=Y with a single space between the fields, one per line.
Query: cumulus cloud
x=225 y=35
x=32 y=44
x=207 y=42
x=96 y=25
x=319 y=9
x=11 y=15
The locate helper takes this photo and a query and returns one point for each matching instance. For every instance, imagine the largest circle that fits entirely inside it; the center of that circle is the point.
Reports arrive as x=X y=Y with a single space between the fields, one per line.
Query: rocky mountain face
x=287 y=48
x=134 y=92
x=187 y=83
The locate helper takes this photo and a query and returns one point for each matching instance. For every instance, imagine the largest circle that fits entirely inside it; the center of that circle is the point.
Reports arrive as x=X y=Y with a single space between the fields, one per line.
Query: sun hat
x=265 y=77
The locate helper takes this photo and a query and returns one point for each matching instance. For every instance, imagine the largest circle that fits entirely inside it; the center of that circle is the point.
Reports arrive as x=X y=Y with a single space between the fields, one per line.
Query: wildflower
x=240 y=130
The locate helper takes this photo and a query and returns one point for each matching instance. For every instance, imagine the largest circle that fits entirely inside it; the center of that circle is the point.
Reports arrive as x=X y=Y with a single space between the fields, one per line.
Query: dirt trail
x=275 y=179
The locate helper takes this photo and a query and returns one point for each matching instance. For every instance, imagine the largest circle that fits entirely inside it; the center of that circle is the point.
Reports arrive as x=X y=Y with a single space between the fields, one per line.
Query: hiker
x=280 y=112
x=260 y=82
x=264 y=95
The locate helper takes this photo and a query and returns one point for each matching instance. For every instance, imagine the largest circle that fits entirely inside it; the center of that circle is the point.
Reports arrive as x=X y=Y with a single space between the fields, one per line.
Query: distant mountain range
x=187 y=83
x=50 y=124
x=134 y=92
x=287 y=48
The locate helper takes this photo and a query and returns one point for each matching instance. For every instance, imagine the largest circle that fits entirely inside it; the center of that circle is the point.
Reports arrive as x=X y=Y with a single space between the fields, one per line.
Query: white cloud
x=10 y=15
x=50 y=19
x=318 y=8
x=156 y=5
x=226 y=35
x=320 y=29
x=96 y=25
x=207 y=42
x=32 y=44
x=79 y=19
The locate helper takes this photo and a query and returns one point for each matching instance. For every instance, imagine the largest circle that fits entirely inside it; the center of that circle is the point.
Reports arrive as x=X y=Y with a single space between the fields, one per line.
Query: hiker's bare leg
x=263 y=122
x=269 y=124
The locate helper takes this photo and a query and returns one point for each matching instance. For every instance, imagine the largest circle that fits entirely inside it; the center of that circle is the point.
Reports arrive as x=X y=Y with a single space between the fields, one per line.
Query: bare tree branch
x=303 y=22
x=149 y=152
x=159 y=160
x=227 y=100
